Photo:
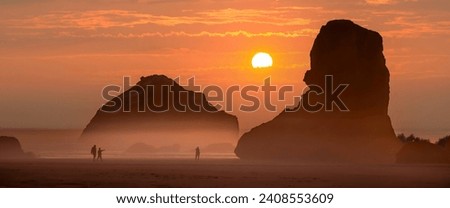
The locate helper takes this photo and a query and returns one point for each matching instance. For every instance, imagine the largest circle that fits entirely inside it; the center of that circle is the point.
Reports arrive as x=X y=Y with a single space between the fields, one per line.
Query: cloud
x=413 y=27
x=239 y=33
x=274 y=16
x=124 y=18
x=382 y=2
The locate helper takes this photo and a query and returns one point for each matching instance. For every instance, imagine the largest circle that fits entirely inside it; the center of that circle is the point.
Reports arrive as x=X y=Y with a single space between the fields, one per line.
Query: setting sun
x=261 y=60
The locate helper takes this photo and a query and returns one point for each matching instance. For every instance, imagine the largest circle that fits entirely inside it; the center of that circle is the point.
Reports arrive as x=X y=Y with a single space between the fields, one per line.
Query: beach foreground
x=219 y=173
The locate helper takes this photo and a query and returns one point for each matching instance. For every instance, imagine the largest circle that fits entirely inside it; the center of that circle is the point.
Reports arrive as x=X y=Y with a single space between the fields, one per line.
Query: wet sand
x=214 y=173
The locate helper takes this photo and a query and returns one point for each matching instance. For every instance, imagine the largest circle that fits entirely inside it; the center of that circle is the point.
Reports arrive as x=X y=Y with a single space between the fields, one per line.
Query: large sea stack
x=351 y=56
x=157 y=110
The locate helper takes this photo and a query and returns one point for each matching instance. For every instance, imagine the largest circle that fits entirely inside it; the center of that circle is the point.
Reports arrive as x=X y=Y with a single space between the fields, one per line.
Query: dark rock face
x=447 y=152
x=10 y=148
x=352 y=55
x=159 y=110
x=422 y=152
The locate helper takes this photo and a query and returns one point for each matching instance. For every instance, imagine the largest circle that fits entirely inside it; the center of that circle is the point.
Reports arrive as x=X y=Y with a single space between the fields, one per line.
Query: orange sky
x=56 y=56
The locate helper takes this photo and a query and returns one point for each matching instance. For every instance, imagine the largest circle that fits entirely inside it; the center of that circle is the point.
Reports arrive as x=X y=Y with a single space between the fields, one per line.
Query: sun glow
x=261 y=60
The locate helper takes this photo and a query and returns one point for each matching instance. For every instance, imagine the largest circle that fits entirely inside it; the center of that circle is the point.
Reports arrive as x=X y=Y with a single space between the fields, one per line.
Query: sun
x=261 y=60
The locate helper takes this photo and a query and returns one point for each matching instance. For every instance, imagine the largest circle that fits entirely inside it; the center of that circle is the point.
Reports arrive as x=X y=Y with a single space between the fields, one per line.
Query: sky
x=56 y=56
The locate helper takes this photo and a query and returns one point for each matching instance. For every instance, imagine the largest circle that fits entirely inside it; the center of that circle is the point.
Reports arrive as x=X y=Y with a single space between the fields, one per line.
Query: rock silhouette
x=419 y=150
x=159 y=110
x=444 y=141
x=10 y=148
x=422 y=152
x=141 y=148
x=220 y=148
x=352 y=55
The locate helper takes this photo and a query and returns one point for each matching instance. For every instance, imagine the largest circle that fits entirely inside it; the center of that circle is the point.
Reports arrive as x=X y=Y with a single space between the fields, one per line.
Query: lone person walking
x=94 y=152
x=197 y=153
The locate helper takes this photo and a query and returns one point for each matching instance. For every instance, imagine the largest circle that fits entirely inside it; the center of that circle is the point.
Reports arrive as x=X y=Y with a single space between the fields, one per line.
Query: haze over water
x=57 y=56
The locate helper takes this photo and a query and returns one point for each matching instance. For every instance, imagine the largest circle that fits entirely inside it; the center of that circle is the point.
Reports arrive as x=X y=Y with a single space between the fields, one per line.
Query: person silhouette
x=99 y=154
x=94 y=152
x=197 y=153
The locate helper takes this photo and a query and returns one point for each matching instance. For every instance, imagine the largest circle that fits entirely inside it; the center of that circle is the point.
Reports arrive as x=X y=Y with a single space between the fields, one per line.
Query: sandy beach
x=214 y=173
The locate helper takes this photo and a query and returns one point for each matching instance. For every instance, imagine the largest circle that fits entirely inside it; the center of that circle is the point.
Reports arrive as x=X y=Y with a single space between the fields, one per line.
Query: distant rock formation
x=219 y=148
x=10 y=148
x=142 y=148
x=447 y=152
x=418 y=150
x=352 y=55
x=422 y=152
x=169 y=148
x=157 y=110
x=444 y=141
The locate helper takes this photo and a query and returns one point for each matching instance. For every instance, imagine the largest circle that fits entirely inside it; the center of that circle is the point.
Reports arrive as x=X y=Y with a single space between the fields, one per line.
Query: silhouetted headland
x=352 y=55
x=416 y=150
x=158 y=110
x=10 y=148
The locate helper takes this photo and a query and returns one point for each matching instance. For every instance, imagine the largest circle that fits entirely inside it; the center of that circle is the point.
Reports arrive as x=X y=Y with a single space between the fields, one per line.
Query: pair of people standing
x=97 y=154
